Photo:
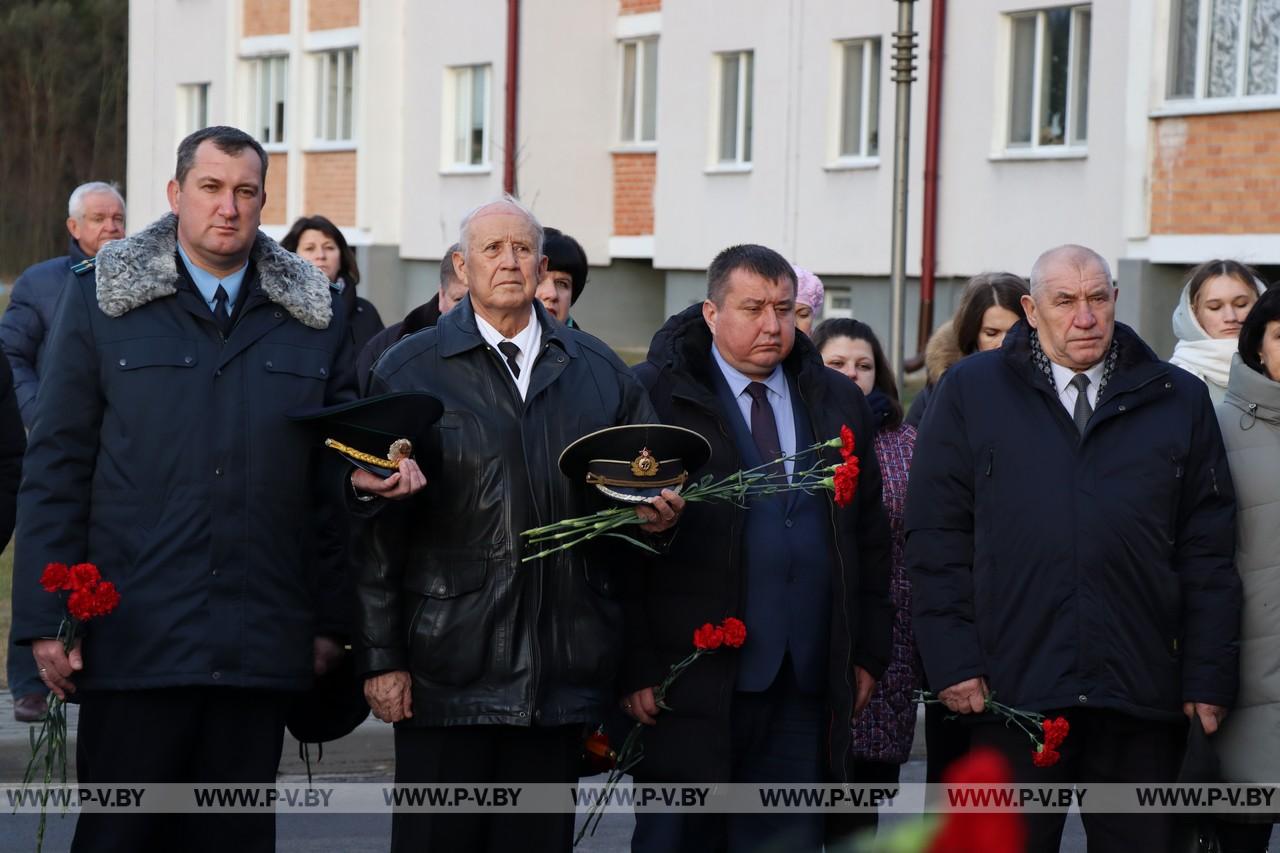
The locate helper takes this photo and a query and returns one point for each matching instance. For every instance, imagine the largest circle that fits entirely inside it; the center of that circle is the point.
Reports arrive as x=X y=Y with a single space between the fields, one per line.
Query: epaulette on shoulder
x=85 y=266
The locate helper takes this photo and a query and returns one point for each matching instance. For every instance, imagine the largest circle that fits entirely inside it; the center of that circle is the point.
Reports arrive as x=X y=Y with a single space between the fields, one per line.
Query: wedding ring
x=43 y=670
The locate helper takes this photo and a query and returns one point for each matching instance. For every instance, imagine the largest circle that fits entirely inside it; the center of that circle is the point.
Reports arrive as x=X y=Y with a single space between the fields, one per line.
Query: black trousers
x=180 y=734
x=842 y=826
x=485 y=754
x=1103 y=746
x=946 y=739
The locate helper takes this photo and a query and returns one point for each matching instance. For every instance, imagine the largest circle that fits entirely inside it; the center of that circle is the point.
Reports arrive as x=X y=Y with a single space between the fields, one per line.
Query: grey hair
x=75 y=204
x=1077 y=256
x=447 y=272
x=464 y=231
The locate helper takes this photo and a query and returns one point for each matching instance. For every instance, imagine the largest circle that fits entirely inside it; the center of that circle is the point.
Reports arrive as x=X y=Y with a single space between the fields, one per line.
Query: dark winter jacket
x=162 y=453
x=422 y=317
x=1071 y=571
x=701 y=579
x=13 y=443
x=363 y=321
x=25 y=325
x=442 y=591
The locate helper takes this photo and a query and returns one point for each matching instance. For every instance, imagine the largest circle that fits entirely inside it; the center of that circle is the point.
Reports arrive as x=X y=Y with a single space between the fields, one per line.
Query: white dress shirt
x=1067 y=392
x=779 y=396
x=528 y=339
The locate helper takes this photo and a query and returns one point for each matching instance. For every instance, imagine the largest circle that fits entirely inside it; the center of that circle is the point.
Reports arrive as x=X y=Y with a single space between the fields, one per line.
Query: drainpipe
x=513 y=81
x=932 y=143
x=904 y=66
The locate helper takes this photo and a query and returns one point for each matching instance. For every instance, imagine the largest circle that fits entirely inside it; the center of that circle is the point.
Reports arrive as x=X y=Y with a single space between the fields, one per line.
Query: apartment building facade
x=658 y=133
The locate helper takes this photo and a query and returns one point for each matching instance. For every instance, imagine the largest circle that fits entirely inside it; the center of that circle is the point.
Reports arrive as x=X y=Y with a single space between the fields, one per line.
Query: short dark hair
x=761 y=260
x=843 y=327
x=986 y=290
x=348 y=271
x=447 y=272
x=1266 y=309
x=1212 y=269
x=228 y=140
x=565 y=254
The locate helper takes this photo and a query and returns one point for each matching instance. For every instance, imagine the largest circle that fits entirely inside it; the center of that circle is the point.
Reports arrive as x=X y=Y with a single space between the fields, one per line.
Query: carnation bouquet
x=841 y=480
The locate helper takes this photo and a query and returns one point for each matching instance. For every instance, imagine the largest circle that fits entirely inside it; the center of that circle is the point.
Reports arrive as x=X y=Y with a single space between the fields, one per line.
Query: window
x=335 y=95
x=193 y=108
x=859 y=114
x=467 y=116
x=1049 y=78
x=1224 y=48
x=639 y=91
x=734 y=131
x=268 y=93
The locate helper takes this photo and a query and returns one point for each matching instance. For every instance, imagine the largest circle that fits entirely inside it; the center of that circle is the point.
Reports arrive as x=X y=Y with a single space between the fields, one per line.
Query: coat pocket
x=450 y=636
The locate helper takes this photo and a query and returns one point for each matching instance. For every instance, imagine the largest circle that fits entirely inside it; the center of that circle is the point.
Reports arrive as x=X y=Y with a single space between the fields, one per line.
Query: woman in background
x=883 y=732
x=809 y=297
x=1214 y=304
x=320 y=242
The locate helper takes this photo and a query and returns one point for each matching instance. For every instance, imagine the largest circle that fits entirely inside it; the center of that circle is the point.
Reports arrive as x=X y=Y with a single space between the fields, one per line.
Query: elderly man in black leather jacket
x=489 y=667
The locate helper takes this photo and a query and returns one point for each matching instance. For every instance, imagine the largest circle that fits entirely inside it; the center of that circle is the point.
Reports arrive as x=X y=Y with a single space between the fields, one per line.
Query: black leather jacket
x=442 y=591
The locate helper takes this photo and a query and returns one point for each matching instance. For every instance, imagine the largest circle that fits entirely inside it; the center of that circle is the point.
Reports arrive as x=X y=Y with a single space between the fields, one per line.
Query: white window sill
x=853 y=164
x=1047 y=152
x=459 y=169
x=321 y=145
x=1212 y=106
x=728 y=169
x=275 y=147
x=634 y=148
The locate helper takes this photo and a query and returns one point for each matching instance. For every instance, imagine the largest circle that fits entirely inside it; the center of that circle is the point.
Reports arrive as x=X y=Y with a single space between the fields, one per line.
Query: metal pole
x=904 y=67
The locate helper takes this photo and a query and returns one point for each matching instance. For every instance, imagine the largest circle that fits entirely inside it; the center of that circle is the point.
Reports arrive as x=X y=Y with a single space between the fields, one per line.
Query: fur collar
x=942 y=351
x=142 y=268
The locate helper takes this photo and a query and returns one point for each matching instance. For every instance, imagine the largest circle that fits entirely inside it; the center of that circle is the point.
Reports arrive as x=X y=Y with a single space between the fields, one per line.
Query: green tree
x=63 y=113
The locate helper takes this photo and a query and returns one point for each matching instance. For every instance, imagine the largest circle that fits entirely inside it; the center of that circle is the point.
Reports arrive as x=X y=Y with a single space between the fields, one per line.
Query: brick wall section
x=330 y=186
x=633 y=176
x=266 y=17
x=276 y=211
x=635 y=7
x=333 y=14
x=1216 y=174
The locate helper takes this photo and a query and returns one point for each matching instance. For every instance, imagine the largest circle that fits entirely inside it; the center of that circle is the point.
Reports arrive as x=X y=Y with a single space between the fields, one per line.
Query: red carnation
x=84 y=574
x=56 y=577
x=106 y=598
x=1055 y=732
x=846 y=442
x=994 y=832
x=1045 y=757
x=735 y=632
x=81 y=604
x=845 y=481
x=708 y=637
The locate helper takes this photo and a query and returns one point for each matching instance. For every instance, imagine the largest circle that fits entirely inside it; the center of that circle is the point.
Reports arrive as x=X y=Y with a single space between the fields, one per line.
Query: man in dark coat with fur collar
x=810 y=579
x=162 y=453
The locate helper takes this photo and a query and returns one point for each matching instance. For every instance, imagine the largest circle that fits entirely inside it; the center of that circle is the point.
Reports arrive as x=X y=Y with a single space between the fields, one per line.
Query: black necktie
x=764 y=429
x=510 y=350
x=220 y=314
x=1083 y=411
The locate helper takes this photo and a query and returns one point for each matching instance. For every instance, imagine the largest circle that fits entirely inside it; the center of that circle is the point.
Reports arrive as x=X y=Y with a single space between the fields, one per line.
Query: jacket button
x=324 y=371
x=522 y=715
x=1168 y=385
x=1121 y=409
x=124 y=362
x=217 y=372
x=216 y=675
x=789 y=523
x=217 y=471
x=270 y=365
x=214 y=573
x=1083 y=699
x=278 y=315
x=187 y=359
x=441 y=590
x=559 y=359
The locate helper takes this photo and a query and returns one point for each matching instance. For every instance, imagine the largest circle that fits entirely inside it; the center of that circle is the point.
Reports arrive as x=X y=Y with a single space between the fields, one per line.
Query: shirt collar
x=207 y=283
x=1062 y=376
x=523 y=338
x=738 y=381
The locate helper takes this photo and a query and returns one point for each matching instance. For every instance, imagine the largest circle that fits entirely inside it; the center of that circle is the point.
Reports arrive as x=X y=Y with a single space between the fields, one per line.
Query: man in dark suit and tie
x=809 y=579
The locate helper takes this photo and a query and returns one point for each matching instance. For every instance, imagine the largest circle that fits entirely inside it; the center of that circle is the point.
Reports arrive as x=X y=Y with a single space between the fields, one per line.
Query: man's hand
x=967 y=697
x=1211 y=716
x=641 y=706
x=325 y=654
x=407 y=481
x=390 y=695
x=661 y=513
x=56 y=666
x=866 y=687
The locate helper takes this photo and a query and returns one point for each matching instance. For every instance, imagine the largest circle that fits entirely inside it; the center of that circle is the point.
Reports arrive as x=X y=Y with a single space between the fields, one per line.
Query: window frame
x=1200 y=96
x=449 y=125
x=189 y=95
x=744 y=112
x=254 y=67
x=1071 y=146
x=869 y=106
x=637 y=142
x=348 y=68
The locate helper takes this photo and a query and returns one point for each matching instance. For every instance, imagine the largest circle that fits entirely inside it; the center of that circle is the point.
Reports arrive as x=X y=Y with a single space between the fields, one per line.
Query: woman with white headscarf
x=1215 y=301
